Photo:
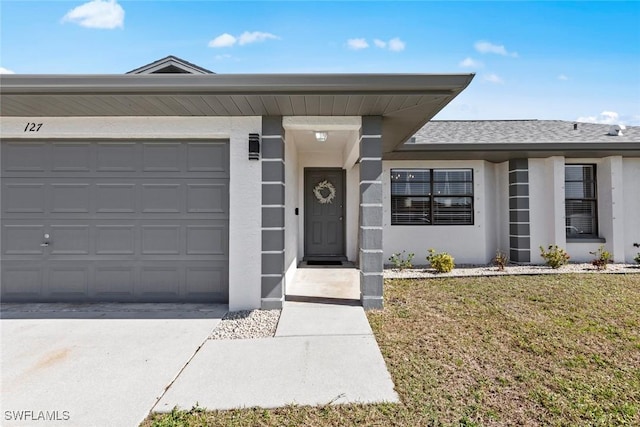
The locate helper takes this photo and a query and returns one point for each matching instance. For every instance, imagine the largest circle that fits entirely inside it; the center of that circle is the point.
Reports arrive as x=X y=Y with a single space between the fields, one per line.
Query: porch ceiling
x=406 y=101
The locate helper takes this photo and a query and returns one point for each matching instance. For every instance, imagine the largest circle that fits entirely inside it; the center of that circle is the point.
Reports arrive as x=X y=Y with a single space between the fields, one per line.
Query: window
x=431 y=197
x=580 y=201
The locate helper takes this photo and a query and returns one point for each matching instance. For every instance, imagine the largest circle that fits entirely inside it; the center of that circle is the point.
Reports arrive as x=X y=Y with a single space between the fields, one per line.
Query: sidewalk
x=320 y=354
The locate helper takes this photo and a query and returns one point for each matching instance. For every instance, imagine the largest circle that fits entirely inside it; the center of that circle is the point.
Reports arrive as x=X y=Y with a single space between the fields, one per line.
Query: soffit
x=406 y=101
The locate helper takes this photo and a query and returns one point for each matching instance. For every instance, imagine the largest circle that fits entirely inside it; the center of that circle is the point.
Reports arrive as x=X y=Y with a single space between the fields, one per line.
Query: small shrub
x=637 y=258
x=602 y=258
x=500 y=260
x=554 y=256
x=400 y=262
x=442 y=262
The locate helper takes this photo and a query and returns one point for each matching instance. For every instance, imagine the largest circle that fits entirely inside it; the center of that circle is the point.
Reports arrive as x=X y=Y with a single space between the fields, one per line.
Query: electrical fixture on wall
x=321 y=136
x=254 y=146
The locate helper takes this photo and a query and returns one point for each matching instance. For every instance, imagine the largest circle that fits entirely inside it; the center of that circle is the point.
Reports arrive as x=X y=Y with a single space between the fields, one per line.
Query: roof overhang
x=405 y=101
x=499 y=152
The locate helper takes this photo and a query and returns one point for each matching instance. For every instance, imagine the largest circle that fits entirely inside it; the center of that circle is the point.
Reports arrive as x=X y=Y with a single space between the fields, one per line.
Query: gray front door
x=115 y=221
x=324 y=197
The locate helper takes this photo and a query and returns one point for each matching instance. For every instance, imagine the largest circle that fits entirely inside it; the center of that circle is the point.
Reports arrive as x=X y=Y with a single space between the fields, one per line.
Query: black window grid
x=575 y=220
x=427 y=207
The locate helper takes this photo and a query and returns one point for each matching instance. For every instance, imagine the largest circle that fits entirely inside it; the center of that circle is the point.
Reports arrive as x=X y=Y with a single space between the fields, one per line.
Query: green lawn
x=522 y=350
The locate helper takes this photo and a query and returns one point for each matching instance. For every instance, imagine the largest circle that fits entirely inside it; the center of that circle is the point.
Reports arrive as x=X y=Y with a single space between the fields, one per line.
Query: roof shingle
x=515 y=131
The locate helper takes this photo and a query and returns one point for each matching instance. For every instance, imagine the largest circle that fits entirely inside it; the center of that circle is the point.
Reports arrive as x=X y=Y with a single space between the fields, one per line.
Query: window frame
x=432 y=196
x=594 y=199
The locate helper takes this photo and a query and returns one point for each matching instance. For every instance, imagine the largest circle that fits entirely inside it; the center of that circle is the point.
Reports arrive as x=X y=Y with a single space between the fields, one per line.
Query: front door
x=324 y=197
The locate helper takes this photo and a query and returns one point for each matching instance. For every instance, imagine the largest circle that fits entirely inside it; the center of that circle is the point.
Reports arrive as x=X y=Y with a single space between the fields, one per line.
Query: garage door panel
x=22 y=280
x=22 y=239
x=70 y=197
x=206 y=279
x=207 y=198
x=162 y=157
x=114 y=282
x=23 y=197
x=117 y=157
x=162 y=198
x=115 y=197
x=128 y=221
x=69 y=239
x=23 y=157
x=161 y=240
x=207 y=157
x=207 y=239
x=71 y=157
x=115 y=239
x=159 y=281
x=68 y=281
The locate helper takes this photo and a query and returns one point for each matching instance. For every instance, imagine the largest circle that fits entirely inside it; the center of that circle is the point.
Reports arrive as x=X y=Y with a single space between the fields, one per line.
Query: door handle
x=44 y=244
x=340 y=218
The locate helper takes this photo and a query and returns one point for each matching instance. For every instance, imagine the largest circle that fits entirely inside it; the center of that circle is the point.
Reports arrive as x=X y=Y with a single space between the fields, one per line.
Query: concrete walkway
x=341 y=283
x=321 y=354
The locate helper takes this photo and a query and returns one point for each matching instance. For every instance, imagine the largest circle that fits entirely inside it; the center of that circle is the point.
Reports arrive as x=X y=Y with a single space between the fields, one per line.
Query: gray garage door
x=115 y=221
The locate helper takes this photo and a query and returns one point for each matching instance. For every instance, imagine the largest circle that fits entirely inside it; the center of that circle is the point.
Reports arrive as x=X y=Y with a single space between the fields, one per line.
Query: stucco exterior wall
x=466 y=243
x=244 y=191
x=501 y=194
x=631 y=197
x=291 y=232
x=617 y=199
x=546 y=195
x=488 y=207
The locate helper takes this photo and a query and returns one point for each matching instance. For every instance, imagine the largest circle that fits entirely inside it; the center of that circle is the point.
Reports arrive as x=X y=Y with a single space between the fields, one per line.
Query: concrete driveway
x=94 y=365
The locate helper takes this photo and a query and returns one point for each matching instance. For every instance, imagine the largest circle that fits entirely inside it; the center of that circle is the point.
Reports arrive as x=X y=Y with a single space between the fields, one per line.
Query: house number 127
x=32 y=127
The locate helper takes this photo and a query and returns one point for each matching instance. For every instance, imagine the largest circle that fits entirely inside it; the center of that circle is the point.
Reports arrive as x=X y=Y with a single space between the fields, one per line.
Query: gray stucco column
x=519 y=226
x=370 y=256
x=272 y=213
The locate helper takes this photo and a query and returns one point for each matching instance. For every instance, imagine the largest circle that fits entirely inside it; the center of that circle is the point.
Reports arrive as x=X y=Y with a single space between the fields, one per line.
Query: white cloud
x=6 y=71
x=222 y=57
x=104 y=14
x=227 y=40
x=254 y=37
x=563 y=77
x=357 y=44
x=223 y=40
x=396 y=45
x=380 y=43
x=488 y=47
x=470 y=63
x=606 y=117
x=493 y=78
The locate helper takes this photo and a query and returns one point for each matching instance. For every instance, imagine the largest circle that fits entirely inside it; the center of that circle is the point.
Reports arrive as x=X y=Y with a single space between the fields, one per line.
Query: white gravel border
x=251 y=324
x=247 y=324
x=424 y=272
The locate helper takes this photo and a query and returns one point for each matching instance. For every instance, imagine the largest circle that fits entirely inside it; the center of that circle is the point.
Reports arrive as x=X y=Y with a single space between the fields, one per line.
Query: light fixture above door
x=321 y=136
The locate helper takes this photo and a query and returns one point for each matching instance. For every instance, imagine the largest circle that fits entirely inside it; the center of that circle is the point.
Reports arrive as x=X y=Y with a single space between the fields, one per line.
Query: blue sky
x=542 y=60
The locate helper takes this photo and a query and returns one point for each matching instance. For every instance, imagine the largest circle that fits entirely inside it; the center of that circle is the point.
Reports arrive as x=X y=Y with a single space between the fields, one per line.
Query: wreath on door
x=321 y=189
